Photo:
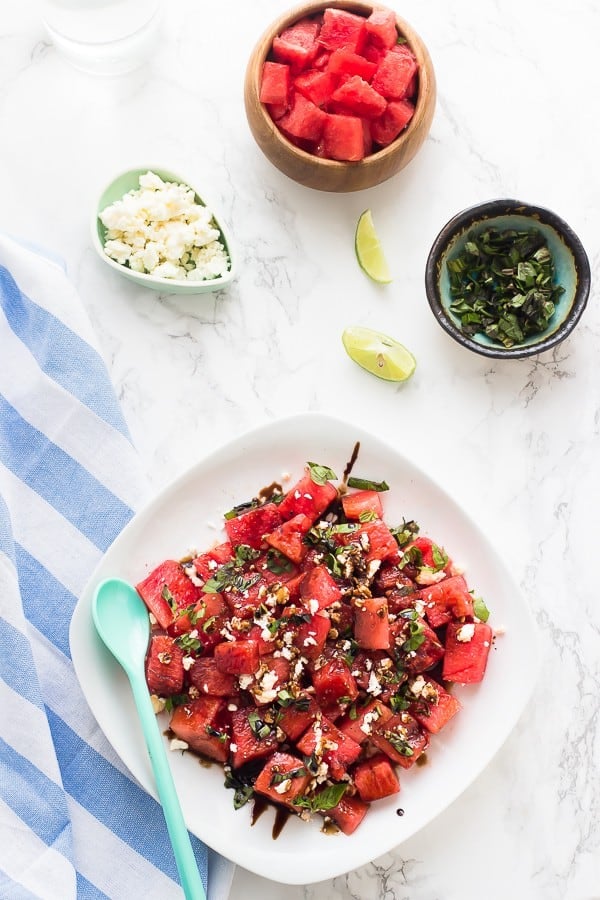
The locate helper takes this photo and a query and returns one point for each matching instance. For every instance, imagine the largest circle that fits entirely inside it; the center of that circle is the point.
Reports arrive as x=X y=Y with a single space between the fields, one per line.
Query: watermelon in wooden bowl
x=340 y=94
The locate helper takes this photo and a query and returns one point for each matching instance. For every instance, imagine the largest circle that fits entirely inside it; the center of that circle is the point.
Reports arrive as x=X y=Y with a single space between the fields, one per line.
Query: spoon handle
x=178 y=833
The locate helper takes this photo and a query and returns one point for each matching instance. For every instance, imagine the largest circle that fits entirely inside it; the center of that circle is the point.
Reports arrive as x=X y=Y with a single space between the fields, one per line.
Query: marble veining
x=518 y=443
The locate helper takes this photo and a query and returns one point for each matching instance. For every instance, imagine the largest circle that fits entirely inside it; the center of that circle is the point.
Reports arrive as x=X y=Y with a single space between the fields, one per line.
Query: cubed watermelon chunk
x=401 y=738
x=297 y=45
x=376 y=778
x=209 y=679
x=200 y=724
x=251 y=527
x=342 y=29
x=429 y=651
x=395 y=73
x=360 y=503
x=467 y=651
x=311 y=636
x=288 y=537
x=332 y=682
x=344 y=62
x=394 y=119
x=237 y=657
x=166 y=589
x=371 y=623
x=339 y=757
x=275 y=83
x=164 y=666
x=307 y=496
x=319 y=585
x=304 y=119
x=433 y=707
x=348 y=814
x=356 y=97
x=446 y=600
x=381 y=28
x=298 y=716
x=283 y=779
x=316 y=86
x=246 y=745
x=343 y=138
x=365 y=720
x=207 y=563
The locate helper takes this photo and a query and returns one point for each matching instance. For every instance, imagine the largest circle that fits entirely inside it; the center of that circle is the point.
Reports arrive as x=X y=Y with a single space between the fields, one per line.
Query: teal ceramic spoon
x=121 y=620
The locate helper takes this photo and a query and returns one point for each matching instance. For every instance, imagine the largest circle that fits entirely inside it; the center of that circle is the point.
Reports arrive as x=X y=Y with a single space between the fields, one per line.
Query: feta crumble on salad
x=161 y=230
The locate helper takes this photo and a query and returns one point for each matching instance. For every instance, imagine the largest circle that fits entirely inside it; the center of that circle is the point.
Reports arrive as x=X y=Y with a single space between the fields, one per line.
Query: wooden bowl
x=329 y=174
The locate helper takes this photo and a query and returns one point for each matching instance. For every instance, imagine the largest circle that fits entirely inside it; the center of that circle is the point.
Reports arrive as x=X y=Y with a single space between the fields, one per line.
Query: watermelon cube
x=447 y=599
x=344 y=62
x=246 y=746
x=429 y=651
x=356 y=97
x=275 y=83
x=361 y=502
x=394 y=119
x=297 y=717
x=200 y=724
x=375 y=778
x=343 y=138
x=297 y=46
x=433 y=707
x=307 y=496
x=394 y=74
x=340 y=752
x=164 y=666
x=288 y=537
x=401 y=738
x=316 y=86
x=251 y=527
x=371 y=623
x=207 y=563
x=206 y=676
x=348 y=814
x=166 y=589
x=237 y=657
x=381 y=28
x=367 y=718
x=283 y=778
x=467 y=651
x=311 y=636
x=245 y=602
x=319 y=585
x=332 y=682
x=304 y=119
x=342 y=29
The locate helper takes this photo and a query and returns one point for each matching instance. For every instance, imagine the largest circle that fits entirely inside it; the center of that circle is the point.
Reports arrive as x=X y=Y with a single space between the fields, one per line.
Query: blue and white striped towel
x=73 y=823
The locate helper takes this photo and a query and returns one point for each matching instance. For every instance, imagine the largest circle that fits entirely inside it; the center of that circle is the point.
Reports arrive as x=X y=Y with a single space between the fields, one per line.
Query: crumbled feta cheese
x=158 y=703
x=465 y=633
x=176 y=744
x=245 y=681
x=367 y=724
x=232 y=707
x=192 y=574
x=233 y=748
x=160 y=229
x=310 y=642
x=187 y=662
x=417 y=686
x=500 y=630
x=313 y=606
x=374 y=686
x=308 y=496
x=153 y=619
x=428 y=576
x=284 y=786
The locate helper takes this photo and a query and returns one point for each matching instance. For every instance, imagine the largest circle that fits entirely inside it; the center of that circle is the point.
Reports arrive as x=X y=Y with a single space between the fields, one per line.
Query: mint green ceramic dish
x=571 y=264
x=117 y=189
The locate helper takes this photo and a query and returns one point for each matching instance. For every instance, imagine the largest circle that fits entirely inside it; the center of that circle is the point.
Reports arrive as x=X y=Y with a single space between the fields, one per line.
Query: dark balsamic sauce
x=421 y=760
x=351 y=462
x=281 y=814
x=271 y=490
x=400 y=812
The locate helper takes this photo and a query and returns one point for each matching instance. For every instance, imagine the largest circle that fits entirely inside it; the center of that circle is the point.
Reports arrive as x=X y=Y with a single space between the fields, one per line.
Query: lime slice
x=368 y=250
x=379 y=354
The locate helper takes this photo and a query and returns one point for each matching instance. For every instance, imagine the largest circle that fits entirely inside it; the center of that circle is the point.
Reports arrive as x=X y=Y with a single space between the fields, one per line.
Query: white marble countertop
x=517 y=442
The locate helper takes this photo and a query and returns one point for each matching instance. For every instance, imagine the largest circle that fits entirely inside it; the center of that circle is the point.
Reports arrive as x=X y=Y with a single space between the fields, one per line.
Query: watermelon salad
x=340 y=85
x=313 y=651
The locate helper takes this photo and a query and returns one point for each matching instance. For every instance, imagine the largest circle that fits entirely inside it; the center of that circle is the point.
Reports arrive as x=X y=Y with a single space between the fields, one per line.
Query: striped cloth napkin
x=73 y=823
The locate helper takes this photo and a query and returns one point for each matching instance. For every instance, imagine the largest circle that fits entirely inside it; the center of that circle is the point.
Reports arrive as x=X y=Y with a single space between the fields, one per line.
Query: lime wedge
x=368 y=250
x=379 y=354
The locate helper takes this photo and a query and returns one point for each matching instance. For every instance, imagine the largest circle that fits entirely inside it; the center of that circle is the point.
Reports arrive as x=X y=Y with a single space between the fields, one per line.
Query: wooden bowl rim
x=360 y=7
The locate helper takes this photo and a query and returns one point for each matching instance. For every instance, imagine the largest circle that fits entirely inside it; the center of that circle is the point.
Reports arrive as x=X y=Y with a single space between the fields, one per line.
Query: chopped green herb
x=259 y=728
x=365 y=484
x=399 y=743
x=229 y=578
x=168 y=596
x=214 y=732
x=187 y=642
x=503 y=285
x=398 y=702
x=324 y=800
x=440 y=557
x=278 y=563
x=412 y=557
x=415 y=630
x=244 y=553
x=241 y=508
x=175 y=700
x=243 y=790
x=280 y=777
x=312 y=763
x=209 y=625
x=405 y=532
x=320 y=474
x=367 y=515
x=285 y=699
x=480 y=609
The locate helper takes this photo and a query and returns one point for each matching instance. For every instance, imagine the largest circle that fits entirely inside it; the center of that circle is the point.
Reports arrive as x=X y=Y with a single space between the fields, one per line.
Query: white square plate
x=183 y=516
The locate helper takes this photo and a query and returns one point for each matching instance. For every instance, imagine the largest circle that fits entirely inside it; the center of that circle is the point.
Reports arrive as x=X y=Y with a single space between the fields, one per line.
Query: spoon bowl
x=121 y=620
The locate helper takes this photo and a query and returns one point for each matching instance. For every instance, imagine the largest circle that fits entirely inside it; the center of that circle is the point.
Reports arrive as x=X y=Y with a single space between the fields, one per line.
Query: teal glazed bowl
x=571 y=264
x=121 y=185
